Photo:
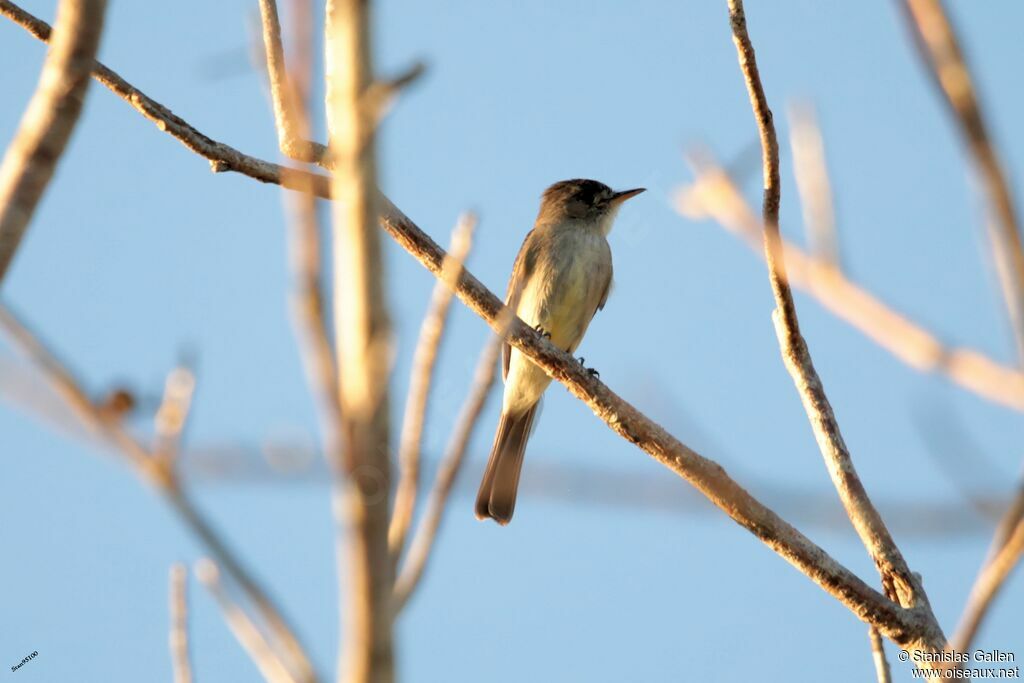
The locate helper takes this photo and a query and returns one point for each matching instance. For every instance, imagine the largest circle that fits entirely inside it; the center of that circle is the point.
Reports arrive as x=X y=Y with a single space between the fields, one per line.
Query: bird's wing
x=526 y=260
x=607 y=284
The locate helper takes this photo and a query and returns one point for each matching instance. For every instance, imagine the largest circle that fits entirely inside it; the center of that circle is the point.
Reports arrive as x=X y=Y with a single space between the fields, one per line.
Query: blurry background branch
x=161 y=474
x=813 y=185
x=297 y=462
x=940 y=49
x=48 y=121
x=246 y=632
x=416 y=559
x=713 y=194
x=424 y=361
x=1003 y=557
x=363 y=343
x=181 y=664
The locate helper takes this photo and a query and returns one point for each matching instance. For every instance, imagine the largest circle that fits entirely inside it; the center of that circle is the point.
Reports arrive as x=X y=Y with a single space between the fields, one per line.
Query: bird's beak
x=620 y=197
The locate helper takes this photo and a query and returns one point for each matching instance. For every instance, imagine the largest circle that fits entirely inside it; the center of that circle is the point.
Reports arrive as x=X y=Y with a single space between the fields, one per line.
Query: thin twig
x=362 y=337
x=48 y=121
x=882 y=672
x=93 y=417
x=714 y=194
x=291 y=113
x=180 y=662
x=158 y=473
x=172 y=415
x=907 y=627
x=416 y=559
x=812 y=183
x=292 y=133
x=1004 y=555
x=897 y=579
x=940 y=49
x=245 y=629
x=423 y=364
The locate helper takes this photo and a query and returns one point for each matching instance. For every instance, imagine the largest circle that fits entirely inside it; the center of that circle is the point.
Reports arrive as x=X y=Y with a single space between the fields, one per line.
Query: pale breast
x=567 y=284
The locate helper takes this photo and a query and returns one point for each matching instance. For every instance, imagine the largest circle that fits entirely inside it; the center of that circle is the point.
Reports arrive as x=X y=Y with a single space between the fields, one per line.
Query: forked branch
x=897 y=579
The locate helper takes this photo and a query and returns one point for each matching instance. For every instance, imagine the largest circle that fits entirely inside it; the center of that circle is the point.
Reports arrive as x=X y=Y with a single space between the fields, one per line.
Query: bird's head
x=582 y=200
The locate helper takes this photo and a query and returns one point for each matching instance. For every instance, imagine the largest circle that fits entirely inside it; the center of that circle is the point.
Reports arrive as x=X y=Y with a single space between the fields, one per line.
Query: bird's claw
x=590 y=371
x=544 y=333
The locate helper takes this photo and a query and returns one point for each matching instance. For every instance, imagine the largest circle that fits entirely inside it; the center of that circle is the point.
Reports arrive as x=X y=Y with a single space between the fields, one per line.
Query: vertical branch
x=48 y=121
x=882 y=672
x=180 y=662
x=363 y=343
x=939 y=47
x=897 y=579
x=172 y=415
x=423 y=541
x=291 y=117
x=812 y=184
x=285 y=93
x=424 y=362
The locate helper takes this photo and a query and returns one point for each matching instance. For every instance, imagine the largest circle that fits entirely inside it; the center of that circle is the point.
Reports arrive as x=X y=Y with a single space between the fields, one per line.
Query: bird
x=561 y=278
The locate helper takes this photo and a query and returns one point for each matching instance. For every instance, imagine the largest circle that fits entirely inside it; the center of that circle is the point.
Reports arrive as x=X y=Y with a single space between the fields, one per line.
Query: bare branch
x=383 y=94
x=908 y=627
x=158 y=473
x=362 y=337
x=423 y=364
x=180 y=662
x=1004 y=555
x=938 y=45
x=714 y=194
x=423 y=541
x=245 y=630
x=95 y=418
x=172 y=415
x=291 y=132
x=48 y=121
x=882 y=671
x=899 y=583
x=222 y=157
x=812 y=183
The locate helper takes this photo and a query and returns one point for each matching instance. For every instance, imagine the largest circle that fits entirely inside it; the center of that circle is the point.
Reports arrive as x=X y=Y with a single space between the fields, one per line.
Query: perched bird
x=560 y=279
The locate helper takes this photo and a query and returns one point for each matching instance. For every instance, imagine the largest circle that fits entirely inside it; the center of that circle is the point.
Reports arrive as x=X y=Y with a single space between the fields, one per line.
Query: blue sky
x=138 y=252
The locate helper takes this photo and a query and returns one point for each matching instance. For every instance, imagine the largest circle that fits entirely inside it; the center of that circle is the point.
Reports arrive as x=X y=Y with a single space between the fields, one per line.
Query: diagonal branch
x=938 y=45
x=416 y=559
x=423 y=364
x=245 y=630
x=1004 y=555
x=897 y=579
x=713 y=193
x=49 y=120
x=910 y=628
x=160 y=474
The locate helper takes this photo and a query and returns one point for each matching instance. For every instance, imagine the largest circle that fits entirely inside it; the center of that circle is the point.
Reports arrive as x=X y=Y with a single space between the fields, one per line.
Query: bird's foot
x=590 y=371
x=544 y=333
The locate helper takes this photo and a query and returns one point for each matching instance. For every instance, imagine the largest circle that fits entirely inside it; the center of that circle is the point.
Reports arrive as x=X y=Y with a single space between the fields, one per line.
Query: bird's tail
x=497 y=496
